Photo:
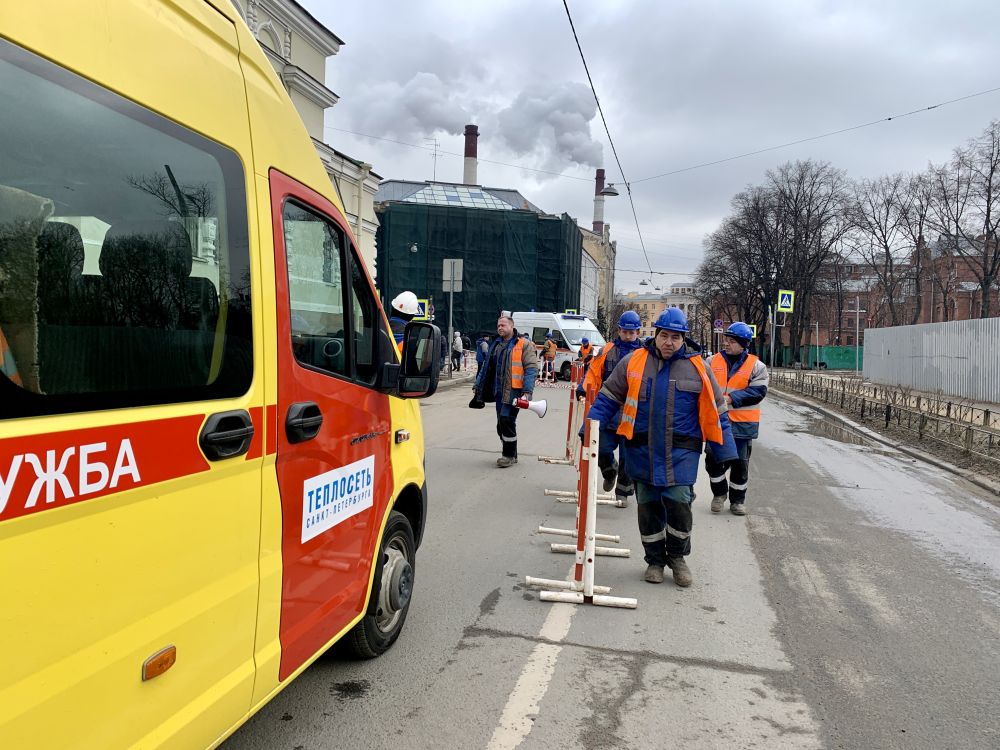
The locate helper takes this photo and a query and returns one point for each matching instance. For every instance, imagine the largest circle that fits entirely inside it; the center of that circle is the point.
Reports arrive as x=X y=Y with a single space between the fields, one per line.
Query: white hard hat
x=406 y=303
x=457 y=333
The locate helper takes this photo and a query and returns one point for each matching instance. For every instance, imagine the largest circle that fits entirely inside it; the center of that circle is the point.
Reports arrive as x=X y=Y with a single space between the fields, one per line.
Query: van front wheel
x=391 y=592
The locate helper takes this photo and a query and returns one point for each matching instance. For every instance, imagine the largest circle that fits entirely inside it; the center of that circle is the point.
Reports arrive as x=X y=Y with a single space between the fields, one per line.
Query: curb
x=965 y=474
x=444 y=384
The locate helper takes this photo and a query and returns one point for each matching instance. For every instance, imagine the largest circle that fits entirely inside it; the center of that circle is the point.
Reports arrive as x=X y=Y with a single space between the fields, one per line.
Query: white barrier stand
x=582 y=589
x=551 y=583
x=572 y=423
x=599 y=551
x=569 y=532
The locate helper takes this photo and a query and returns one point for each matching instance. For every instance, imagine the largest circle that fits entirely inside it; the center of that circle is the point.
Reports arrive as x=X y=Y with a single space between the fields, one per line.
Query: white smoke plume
x=552 y=121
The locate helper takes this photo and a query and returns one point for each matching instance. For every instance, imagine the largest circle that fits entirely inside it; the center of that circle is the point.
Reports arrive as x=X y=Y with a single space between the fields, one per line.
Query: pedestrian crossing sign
x=786 y=300
x=422 y=313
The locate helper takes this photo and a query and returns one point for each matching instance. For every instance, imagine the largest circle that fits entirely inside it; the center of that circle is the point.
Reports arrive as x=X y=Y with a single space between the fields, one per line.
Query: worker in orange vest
x=626 y=342
x=744 y=380
x=549 y=350
x=671 y=408
x=8 y=367
x=508 y=373
x=586 y=349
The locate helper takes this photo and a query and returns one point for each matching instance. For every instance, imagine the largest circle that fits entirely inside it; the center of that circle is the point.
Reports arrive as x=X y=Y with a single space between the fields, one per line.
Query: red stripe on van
x=272 y=429
x=44 y=472
x=257 y=443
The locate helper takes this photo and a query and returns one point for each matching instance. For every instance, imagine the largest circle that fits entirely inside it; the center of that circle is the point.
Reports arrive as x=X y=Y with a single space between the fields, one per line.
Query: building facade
x=297 y=45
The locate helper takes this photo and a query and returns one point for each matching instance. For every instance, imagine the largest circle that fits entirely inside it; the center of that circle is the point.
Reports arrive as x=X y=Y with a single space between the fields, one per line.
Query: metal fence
x=958 y=358
x=885 y=410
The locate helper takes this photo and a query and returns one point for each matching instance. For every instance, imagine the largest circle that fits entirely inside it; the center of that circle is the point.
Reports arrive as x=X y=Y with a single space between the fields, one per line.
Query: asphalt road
x=857 y=606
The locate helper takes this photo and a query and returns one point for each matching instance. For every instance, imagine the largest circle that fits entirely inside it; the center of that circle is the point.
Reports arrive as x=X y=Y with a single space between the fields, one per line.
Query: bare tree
x=812 y=199
x=879 y=237
x=917 y=198
x=966 y=209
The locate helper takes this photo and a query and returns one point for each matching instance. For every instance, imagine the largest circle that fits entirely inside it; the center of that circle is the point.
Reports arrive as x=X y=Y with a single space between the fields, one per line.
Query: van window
x=577 y=335
x=314 y=254
x=539 y=337
x=365 y=320
x=317 y=252
x=124 y=262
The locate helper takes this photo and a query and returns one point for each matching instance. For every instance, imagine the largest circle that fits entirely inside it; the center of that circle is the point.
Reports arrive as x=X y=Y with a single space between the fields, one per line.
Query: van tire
x=390 y=597
x=565 y=372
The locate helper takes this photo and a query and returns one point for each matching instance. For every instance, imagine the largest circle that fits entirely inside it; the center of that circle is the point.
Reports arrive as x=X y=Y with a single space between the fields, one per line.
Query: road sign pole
x=451 y=310
x=771 y=316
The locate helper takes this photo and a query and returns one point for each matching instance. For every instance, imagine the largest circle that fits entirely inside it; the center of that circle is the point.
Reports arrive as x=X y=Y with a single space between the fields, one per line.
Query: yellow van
x=208 y=471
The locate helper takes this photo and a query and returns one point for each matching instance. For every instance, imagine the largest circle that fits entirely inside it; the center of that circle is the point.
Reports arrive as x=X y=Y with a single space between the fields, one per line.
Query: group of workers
x=658 y=404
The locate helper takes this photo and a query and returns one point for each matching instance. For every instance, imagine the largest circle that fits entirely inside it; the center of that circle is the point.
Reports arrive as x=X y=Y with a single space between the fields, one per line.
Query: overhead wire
x=816 y=137
x=607 y=130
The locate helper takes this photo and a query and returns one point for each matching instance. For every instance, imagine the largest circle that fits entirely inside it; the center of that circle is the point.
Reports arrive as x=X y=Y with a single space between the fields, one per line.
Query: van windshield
x=576 y=335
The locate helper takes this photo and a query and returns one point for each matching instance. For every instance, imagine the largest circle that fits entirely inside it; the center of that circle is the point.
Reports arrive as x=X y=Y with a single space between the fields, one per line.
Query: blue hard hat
x=672 y=319
x=548 y=335
x=630 y=321
x=740 y=330
x=584 y=341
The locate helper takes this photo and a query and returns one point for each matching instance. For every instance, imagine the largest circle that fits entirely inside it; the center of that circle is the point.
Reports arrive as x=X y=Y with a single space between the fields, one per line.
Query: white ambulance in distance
x=568 y=330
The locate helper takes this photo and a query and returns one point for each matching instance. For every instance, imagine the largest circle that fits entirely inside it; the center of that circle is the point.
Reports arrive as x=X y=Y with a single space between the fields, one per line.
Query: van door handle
x=226 y=434
x=302 y=422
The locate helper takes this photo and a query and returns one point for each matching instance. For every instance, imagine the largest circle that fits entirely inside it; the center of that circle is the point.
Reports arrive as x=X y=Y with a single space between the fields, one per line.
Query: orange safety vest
x=739 y=381
x=595 y=375
x=585 y=350
x=8 y=366
x=550 y=349
x=517 y=364
x=708 y=414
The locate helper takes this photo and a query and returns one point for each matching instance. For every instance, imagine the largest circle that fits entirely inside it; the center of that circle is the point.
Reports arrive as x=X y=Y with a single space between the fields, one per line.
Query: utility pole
x=857 y=333
x=817 y=345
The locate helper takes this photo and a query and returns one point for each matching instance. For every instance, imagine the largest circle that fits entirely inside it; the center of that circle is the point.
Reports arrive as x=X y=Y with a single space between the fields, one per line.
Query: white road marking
x=526 y=697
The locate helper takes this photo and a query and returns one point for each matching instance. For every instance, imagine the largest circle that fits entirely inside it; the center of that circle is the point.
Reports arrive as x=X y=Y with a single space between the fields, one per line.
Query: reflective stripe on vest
x=8 y=367
x=517 y=365
x=595 y=375
x=739 y=381
x=708 y=414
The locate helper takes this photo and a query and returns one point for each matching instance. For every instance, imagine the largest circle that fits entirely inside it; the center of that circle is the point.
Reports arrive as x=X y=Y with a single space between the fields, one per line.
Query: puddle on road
x=832 y=431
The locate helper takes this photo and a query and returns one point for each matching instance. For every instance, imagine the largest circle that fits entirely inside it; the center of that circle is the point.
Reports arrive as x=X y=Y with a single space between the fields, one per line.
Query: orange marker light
x=159 y=663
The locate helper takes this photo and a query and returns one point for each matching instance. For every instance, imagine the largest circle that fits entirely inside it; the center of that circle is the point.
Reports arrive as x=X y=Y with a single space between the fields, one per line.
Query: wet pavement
x=855 y=607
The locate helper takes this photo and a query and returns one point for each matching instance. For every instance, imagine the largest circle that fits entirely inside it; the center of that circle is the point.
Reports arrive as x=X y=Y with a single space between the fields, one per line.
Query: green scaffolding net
x=513 y=260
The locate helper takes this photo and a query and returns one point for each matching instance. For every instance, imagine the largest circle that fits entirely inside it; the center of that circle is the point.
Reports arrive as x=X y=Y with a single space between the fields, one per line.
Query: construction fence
x=957 y=358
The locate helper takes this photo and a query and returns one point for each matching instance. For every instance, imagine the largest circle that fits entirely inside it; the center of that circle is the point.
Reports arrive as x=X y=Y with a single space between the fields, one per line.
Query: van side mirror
x=418 y=370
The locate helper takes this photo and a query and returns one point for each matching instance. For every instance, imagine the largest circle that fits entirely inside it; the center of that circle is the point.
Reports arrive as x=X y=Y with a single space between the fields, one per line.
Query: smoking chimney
x=599 y=203
x=470 y=176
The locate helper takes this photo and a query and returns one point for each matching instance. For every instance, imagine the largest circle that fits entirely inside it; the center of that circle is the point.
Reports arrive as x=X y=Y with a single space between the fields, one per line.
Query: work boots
x=682 y=573
x=654 y=574
x=737 y=509
x=505 y=461
x=718 y=503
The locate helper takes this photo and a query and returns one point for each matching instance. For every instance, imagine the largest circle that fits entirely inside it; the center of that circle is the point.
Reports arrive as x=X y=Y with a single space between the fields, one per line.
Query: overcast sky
x=681 y=83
